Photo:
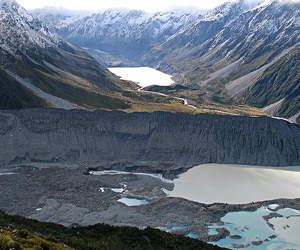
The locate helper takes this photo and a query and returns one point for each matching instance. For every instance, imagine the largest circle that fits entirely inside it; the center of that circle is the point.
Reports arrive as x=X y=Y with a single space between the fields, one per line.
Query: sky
x=149 y=6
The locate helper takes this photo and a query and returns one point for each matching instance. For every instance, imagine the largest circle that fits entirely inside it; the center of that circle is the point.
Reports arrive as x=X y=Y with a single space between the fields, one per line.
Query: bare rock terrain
x=66 y=194
x=47 y=157
x=178 y=140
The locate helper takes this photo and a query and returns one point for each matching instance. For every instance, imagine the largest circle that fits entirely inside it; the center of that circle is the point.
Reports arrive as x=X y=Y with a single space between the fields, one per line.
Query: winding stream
x=145 y=76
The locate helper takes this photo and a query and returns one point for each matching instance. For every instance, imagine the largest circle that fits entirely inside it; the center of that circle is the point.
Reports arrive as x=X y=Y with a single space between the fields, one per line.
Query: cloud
x=62 y=11
x=149 y=6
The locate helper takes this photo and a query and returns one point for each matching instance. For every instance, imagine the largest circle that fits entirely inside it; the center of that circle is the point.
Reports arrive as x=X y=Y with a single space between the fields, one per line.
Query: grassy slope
x=99 y=236
x=78 y=78
x=281 y=80
x=196 y=64
x=198 y=97
x=14 y=95
x=73 y=77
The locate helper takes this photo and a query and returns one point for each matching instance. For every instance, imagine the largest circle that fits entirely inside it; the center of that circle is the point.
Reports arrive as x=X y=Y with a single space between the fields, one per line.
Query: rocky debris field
x=54 y=165
x=70 y=195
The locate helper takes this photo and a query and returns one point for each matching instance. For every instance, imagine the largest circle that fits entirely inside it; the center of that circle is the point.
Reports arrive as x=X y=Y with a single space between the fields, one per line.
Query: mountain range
x=123 y=33
x=238 y=60
x=249 y=57
x=41 y=69
x=235 y=55
x=238 y=53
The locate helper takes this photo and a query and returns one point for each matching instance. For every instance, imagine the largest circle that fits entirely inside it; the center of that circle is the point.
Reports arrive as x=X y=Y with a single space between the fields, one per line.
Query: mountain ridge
x=222 y=58
x=127 y=32
x=33 y=52
x=252 y=40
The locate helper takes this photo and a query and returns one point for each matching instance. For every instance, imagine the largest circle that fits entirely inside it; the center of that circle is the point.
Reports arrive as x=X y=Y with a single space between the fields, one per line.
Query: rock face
x=36 y=64
x=249 y=53
x=194 y=40
x=76 y=136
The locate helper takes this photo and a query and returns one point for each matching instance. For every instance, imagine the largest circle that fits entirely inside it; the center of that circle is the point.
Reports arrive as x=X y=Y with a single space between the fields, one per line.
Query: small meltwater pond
x=269 y=227
x=132 y=201
x=253 y=230
x=175 y=226
x=125 y=200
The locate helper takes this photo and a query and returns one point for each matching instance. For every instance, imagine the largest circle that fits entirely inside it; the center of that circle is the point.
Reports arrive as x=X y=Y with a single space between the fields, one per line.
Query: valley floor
x=71 y=195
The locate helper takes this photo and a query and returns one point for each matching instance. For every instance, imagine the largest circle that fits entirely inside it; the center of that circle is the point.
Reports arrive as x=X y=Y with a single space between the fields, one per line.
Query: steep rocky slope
x=229 y=50
x=190 y=39
x=75 y=136
x=278 y=89
x=14 y=95
x=42 y=61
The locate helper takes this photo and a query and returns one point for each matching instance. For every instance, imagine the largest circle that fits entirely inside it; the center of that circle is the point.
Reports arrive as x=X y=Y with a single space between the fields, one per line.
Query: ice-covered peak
x=122 y=24
x=51 y=10
x=9 y=2
x=262 y=4
x=234 y=8
x=229 y=9
x=11 y=6
x=20 y=30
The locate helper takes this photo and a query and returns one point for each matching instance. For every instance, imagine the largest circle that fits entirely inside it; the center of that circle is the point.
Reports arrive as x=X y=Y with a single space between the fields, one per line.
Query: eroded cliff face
x=76 y=136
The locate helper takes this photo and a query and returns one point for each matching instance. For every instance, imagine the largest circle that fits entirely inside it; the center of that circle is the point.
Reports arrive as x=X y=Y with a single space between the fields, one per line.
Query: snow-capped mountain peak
x=9 y=2
x=20 y=30
x=129 y=32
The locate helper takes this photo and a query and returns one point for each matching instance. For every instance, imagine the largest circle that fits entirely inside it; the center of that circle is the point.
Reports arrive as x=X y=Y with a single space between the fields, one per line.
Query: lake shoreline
x=143 y=76
x=67 y=195
x=240 y=184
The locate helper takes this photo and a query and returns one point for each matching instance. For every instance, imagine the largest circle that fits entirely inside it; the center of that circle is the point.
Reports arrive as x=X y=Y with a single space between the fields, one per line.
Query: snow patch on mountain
x=120 y=24
x=20 y=30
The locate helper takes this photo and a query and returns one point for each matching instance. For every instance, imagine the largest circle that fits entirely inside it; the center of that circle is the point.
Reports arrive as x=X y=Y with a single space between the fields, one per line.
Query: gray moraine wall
x=47 y=153
x=120 y=141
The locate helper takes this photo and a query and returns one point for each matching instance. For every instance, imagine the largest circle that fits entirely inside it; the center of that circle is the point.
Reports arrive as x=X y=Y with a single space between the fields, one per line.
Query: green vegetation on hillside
x=14 y=95
x=206 y=101
x=20 y=233
x=21 y=239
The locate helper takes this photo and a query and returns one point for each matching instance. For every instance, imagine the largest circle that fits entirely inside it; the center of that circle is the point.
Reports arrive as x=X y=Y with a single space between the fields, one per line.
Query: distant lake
x=237 y=184
x=143 y=76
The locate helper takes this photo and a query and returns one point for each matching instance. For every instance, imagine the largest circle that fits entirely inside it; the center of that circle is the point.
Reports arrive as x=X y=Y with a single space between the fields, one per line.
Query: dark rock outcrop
x=76 y=136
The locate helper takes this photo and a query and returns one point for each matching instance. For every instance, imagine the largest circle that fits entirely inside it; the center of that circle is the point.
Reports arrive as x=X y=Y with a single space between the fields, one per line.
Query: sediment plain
x=47 y=156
